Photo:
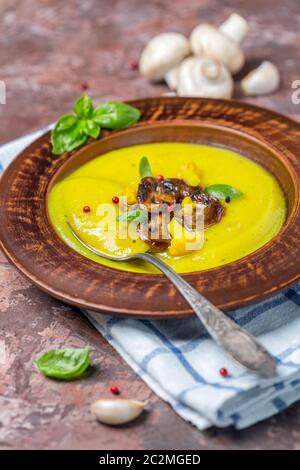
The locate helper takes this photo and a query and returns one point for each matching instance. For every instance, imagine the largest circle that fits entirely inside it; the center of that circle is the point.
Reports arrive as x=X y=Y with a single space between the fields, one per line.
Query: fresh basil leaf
x=58 y=143
x=222 y=191
x=137 y=215
x=84 y=107
x=145 y=168
x=91 y=128
x=64 y=364
x=65 y=122
x=71 y=131
x=67 y=140
x=115 y=115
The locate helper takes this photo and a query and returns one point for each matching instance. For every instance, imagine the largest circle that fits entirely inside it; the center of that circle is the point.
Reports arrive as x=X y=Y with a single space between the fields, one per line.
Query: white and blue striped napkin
x=179 y=361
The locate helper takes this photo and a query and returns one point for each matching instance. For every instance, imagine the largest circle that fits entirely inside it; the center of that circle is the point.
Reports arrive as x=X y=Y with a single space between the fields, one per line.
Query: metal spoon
x=236 y=342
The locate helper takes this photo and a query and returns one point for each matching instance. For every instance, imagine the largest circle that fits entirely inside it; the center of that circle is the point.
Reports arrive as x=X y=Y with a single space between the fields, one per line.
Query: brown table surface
x=47 y=47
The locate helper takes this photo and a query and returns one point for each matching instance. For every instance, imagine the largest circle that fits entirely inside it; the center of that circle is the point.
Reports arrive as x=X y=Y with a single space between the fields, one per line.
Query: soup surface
x=249 y=222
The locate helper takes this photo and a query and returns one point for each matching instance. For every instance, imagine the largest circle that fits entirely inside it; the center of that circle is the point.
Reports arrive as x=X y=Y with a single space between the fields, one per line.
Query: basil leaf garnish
x=145 y=168
x=72 y=130
x=91 y=128
x=64 y=364
x=115 y=115
x=222 y=191
x=69 y=139
x=83 y=107
x=137 y=215
x=65 y=122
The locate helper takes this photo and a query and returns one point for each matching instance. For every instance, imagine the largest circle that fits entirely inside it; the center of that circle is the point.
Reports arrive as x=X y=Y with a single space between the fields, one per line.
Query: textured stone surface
x=46 y=48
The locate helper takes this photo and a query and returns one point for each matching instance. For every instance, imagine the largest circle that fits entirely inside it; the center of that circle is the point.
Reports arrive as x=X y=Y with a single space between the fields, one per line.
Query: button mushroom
x=204 y=77
x=262 y=80
x=221 y=44
x=171 y=77
x=162 y=53
x=235 y=27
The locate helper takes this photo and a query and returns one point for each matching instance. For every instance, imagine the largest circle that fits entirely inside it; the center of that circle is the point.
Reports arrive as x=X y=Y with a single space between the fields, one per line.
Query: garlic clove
x=235 y=27
x=209 y=41
x=263 y=80
x=162 y=53
x=118 y=411
x=204 y=77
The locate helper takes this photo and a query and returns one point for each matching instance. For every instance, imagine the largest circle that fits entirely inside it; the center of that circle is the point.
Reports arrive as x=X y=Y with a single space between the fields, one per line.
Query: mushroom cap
x=204 y=77
x=162 y=53
x=207 y=40
x=262 y=80
x=235 y=27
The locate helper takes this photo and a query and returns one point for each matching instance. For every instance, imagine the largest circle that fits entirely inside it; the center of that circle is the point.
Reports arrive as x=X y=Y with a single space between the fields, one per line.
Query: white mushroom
x=162 y=53
x=171 y=77
x=262 y=80
x=235 y=27
x=221 y=44
x=204 y=77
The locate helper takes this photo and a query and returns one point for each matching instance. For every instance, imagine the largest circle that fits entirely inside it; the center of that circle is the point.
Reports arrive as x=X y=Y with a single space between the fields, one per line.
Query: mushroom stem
x=235 y=27
x=171 y=77
x=211 y=69
x=262 y=80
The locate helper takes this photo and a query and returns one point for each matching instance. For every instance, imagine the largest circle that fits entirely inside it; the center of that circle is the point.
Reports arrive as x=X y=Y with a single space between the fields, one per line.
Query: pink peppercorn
x=115 y=200
x=223 y=371
x=132 y=64
x=84 y=85
x=114 y=390
x=86 y=209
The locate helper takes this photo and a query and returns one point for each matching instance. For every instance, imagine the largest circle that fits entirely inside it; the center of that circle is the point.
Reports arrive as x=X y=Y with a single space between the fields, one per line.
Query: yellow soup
x=248 y=223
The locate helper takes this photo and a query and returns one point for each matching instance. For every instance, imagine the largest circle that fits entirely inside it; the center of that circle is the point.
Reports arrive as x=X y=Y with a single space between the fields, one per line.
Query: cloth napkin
x=181 y=364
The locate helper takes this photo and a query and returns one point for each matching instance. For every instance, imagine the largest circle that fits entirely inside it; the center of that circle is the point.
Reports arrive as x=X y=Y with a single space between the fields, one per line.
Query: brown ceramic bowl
x=30 y=242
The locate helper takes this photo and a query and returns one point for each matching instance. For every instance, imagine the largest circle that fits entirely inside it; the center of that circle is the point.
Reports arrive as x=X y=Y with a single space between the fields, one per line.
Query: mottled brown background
x=46 y=48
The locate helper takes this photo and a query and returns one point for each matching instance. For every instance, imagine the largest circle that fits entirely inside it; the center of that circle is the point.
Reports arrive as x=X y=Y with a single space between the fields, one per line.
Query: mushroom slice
x=235 y=27
x=262 y=80
x=204 y=77
x=207 y=40
x=162 y=53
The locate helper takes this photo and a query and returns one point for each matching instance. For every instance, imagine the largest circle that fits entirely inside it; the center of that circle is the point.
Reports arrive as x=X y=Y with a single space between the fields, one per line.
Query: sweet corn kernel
x=178 y=247
x=130 y=194
x=182 y=239
x=192 y=179
x=187 y=201
x=188 y=205
x=192 y=166
x=190 y=172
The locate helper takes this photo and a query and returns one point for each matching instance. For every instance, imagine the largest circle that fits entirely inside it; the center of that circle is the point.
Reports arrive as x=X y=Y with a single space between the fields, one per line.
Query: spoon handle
x=236 y=342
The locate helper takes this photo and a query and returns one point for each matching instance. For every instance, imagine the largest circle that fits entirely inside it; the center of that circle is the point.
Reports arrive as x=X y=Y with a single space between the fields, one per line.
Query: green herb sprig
x=72 y=130
x=223 y=191
x=145 y=168
x=65 y=364
x=137 y=215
